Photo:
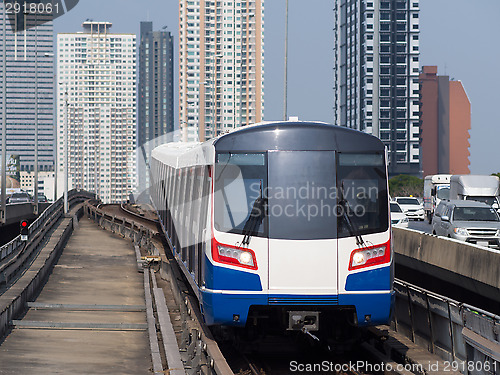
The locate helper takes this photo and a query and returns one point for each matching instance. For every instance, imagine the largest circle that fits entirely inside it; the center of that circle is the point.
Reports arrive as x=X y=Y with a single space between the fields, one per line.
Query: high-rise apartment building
x=96 y=69
x=29 y=90
x=221 y=66
x=446 y=122
x=155 y=123
x=376 y=75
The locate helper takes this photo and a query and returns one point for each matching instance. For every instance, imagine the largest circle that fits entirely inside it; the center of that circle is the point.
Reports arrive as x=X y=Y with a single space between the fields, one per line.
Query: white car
x=398 y=217
x=411 y=207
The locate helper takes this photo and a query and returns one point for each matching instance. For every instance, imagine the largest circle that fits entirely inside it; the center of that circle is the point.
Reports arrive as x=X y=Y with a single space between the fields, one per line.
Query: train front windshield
x=363 y=183
x=240 y=180
x=301 y=195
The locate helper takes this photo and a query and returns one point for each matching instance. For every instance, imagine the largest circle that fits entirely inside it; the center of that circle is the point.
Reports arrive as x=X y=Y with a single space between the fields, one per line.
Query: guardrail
x=15 y=254
x=463 y=335
x=139 y=234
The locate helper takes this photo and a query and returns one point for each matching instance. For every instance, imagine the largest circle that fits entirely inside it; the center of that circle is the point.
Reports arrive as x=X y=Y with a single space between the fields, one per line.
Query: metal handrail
x=449 y=328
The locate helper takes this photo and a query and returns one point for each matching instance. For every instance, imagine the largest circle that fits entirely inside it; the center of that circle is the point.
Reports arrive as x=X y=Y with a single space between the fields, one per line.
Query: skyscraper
x=376 y=75
x=29 y=62
x=446 y=121
x=96 y=69
x=155 y=96
x=221 y=66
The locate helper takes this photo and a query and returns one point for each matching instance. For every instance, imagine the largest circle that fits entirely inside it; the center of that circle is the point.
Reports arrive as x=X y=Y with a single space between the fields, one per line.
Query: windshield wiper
x=352 y=226
x=255 y=219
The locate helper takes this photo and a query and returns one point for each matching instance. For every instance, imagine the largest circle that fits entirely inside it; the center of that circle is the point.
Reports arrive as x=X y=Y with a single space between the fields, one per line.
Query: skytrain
x=280 y=224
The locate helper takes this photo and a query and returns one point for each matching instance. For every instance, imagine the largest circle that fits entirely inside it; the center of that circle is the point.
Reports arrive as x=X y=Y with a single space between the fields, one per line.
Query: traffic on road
x=463 y=207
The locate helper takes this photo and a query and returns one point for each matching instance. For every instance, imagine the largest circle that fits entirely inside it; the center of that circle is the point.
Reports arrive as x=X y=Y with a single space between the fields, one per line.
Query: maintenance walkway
x=90 y=316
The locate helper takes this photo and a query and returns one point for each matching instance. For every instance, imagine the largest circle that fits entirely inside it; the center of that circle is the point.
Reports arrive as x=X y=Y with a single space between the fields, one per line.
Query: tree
x=405 y=185
x=496 y=174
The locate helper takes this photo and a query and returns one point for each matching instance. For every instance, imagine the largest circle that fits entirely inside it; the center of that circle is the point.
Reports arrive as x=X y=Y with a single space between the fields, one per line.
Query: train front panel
x=300 y=234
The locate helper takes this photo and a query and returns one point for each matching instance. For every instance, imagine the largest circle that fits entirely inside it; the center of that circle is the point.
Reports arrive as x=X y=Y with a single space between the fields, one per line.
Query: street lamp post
x=201 y=124
x=48 y=54
x=36 y=120
x=285 y=94
x=247 y=57
x=213 y=94
x=65 y=156
x=4 y=122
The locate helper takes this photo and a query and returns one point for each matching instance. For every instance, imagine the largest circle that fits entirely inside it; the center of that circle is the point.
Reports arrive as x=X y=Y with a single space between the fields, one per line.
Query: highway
x=422 y=226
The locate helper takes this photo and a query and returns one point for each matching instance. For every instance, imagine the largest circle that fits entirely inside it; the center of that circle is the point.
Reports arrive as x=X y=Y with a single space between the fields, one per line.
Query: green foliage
x=405 y=185
x=496 y=174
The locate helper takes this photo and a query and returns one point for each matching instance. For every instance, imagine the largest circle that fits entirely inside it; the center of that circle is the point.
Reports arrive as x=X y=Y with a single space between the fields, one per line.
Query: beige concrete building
x=46 y=184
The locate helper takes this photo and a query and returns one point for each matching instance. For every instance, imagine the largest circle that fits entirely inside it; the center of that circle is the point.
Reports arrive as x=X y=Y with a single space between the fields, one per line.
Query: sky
x=459 y=36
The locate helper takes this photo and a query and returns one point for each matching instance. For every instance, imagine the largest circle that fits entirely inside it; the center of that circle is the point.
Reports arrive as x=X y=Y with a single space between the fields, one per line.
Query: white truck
x=436 y=188
x=480 y=188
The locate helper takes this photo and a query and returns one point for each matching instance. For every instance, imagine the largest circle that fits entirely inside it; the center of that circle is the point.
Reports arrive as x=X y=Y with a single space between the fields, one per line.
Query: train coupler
x=303 y=320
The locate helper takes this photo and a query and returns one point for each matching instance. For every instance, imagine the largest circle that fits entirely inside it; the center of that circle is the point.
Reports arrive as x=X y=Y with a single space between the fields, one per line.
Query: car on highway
x=398 y=217
x=469 y=221
x=412 y=207
x=21 y=197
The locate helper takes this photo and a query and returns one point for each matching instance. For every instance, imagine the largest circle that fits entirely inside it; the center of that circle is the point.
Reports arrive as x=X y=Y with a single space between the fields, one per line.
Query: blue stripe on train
x=379 y=279
x=221 y=278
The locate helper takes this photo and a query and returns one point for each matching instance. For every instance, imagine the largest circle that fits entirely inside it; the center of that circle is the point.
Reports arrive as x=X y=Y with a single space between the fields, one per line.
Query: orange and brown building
x=445 y=123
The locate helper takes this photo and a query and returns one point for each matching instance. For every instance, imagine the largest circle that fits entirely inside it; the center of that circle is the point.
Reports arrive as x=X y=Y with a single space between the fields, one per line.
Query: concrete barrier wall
x=466 y=264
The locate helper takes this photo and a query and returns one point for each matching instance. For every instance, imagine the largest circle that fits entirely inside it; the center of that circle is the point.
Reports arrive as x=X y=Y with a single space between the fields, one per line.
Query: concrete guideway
x=90 y=316
x=470 y=266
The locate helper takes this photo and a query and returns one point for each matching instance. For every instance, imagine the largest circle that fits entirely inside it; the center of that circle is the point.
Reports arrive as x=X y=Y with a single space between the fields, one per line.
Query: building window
x=385 y=136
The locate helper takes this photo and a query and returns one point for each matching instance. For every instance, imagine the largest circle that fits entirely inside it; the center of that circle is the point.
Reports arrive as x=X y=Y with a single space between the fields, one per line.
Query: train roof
x=183 y=154
x=283 y=135
x=298 y=136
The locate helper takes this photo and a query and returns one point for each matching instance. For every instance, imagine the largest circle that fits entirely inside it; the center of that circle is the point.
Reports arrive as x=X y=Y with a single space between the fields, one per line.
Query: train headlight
x=358 y=259
x=233 y=255
x=246 y=258
x=370 y=256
